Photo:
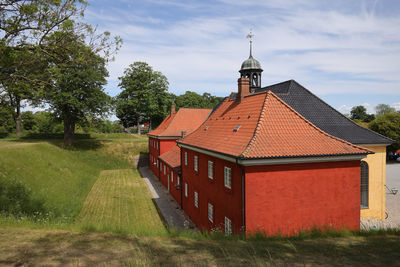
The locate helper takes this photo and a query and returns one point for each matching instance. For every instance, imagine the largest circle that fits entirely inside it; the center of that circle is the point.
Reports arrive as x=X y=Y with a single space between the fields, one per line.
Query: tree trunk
x=138 y=126
x=69 y=130
x=18 y=119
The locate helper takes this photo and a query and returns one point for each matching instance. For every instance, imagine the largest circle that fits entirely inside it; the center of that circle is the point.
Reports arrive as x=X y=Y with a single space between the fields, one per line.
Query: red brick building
x=174 y=126
x=256 y=164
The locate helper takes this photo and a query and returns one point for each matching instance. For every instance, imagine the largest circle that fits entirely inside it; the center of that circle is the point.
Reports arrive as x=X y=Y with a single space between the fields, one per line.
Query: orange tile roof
x=186 y=119
x=267 y=128
x=172 y=157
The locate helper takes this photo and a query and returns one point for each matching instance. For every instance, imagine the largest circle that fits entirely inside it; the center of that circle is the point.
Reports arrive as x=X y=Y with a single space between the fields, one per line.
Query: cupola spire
x=251 y=68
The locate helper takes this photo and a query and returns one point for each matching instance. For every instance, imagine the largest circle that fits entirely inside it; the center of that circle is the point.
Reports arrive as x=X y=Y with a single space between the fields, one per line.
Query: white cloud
x=396 y=105
x=331 y=50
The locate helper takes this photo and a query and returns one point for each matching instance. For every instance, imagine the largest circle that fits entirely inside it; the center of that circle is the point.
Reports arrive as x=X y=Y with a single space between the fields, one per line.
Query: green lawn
x=62 y=178
x=120 y=202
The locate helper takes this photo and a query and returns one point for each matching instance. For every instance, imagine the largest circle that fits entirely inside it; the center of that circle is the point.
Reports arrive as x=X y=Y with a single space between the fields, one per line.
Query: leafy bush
x=16 y=199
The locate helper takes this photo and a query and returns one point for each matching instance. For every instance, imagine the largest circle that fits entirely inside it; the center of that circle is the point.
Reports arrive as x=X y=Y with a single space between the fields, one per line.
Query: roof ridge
x=257 y=129
x=362 y=127
x=314 y=126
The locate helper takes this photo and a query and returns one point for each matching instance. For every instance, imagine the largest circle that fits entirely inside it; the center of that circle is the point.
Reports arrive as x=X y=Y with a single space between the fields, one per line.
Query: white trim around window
x=210 y=169
x=228 y=226
x=228 y=177
x=196 y=199
x=196 y=163
x=186 y=190
x=210 y=212
x=185 y=158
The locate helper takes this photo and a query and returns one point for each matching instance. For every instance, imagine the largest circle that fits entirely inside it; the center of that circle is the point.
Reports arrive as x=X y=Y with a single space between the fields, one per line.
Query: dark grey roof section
x=323 y=115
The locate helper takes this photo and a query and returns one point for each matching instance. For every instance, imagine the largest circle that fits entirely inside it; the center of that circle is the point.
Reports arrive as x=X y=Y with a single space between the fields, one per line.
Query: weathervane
x=250 y=36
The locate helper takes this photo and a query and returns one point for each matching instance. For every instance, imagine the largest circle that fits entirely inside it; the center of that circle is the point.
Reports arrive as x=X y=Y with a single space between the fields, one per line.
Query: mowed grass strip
x=120 y=201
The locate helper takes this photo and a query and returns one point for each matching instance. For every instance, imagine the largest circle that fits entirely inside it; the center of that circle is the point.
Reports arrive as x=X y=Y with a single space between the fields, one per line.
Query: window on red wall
x=186 y=190
x=196 y=199
x=228 y=177
x=228 y=226
x=195 y=165
x=185 y=158
x=210 y=170
x=172 y=176
x=210 y=212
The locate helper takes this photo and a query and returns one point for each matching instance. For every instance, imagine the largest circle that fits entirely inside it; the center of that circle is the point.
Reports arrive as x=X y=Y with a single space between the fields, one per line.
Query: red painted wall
x=166 y=145
x=226 y=202
x=156 y=148
x=154 y=152
x=175 y=192
x=287 y=198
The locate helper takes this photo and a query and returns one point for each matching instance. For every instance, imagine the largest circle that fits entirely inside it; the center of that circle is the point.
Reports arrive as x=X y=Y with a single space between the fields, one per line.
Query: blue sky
x=346 y=52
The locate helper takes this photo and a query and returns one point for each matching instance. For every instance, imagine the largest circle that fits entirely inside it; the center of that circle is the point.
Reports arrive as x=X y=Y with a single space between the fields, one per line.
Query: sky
x=345 y=52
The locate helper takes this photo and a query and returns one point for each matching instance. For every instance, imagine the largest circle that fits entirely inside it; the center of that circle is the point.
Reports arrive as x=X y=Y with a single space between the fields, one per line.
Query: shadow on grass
x=96 y=248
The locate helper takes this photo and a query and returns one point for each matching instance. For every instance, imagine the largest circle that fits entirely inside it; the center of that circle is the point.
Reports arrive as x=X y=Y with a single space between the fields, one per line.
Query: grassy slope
x=63 y=178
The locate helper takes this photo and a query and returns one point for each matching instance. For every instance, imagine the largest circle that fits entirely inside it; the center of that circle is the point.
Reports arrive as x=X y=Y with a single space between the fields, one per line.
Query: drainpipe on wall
x=243 y=201
x=182 y=185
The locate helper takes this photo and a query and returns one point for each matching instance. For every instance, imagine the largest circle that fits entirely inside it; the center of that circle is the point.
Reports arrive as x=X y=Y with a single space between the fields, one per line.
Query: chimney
x=172 y=109
x=243 y=88
x=183 y=134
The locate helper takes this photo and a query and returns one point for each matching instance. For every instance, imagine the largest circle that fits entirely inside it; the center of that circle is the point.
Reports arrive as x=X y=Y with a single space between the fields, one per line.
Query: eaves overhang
x=277 y=160
x=164 y=137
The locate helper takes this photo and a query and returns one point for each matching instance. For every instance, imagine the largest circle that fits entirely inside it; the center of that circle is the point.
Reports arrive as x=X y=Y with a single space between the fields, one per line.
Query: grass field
x=119 y=202
x=62 y=179
x=28 y=247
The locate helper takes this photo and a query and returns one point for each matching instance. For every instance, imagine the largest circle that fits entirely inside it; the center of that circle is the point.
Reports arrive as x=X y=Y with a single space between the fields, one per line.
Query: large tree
x=194 y=100
x=388 y=125
x=144 y=95
x=383 y=109
x=78 y=73
x=360 y=113
x=24 y=24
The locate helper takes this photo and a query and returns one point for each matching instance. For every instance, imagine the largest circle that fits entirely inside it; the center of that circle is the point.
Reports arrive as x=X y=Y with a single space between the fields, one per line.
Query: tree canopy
x=195 y=100
x=360 y=113
x=383 y=109
x=144 y=95
x=388 y=125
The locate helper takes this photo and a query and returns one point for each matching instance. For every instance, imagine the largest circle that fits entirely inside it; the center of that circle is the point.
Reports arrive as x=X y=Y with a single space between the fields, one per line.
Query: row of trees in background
x=385 y=121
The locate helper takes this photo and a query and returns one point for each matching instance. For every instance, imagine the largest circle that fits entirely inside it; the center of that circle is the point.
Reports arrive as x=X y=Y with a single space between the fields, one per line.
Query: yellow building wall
x=377 y=181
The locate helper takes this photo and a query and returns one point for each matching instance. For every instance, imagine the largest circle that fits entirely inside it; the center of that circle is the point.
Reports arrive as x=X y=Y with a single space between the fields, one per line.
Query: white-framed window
x=185 y=158
x=172 y=176
x=157 y=163
x=196 y=163
x=210 y=170
x=228 y=177
x=178 y=180
x=165 y=172
x=160 y=166
x=210 y=212
x=196 y=199
x=186 y=190
x=228 y=226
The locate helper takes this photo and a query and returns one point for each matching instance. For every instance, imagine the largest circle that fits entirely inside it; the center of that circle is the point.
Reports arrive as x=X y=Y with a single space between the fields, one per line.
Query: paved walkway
x=168 y=208
x=392 y=201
